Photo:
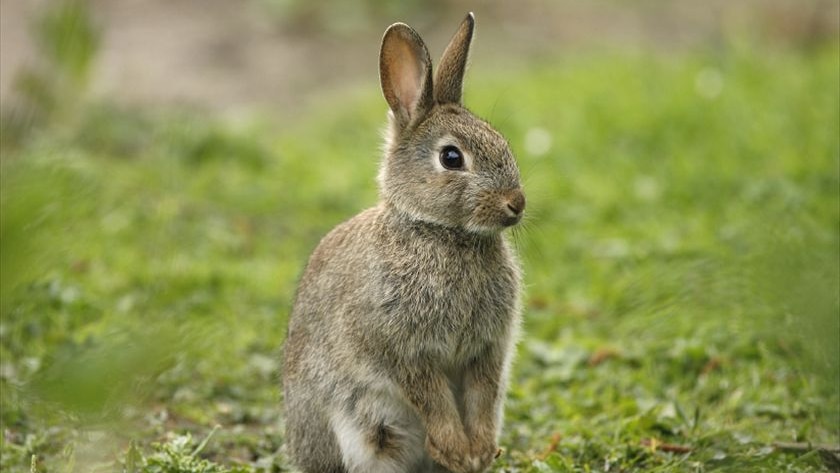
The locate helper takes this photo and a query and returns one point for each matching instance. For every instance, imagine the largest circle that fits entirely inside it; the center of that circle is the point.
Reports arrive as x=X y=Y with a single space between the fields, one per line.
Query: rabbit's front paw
x=483 y=446
x=451 y=449
x=484 y=451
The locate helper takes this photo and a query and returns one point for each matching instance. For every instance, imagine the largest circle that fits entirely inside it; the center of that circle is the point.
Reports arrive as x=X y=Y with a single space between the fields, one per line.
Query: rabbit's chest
x=448 y=303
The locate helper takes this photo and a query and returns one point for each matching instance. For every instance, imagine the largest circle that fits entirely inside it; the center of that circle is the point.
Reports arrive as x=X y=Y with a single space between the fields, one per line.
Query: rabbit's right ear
x=405 y=71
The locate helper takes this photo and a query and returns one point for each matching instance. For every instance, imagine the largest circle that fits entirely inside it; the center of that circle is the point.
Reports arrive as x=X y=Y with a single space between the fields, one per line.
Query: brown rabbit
x=404 y=322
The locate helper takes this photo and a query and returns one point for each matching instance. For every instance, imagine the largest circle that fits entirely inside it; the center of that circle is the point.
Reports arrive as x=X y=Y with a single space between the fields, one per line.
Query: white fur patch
x=359 y=455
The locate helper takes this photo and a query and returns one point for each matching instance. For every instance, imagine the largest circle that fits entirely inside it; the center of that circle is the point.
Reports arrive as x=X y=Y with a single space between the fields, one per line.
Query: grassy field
x=681 y=254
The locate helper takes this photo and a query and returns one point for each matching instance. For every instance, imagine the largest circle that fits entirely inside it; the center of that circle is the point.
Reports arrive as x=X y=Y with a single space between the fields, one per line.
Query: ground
x=681 y=254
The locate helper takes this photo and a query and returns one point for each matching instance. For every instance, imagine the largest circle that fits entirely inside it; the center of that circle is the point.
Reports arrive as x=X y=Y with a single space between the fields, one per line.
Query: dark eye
x=451 y=158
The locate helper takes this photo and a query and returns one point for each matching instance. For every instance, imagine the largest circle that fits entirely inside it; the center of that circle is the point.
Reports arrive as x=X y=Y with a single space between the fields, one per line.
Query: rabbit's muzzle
x=514 y=206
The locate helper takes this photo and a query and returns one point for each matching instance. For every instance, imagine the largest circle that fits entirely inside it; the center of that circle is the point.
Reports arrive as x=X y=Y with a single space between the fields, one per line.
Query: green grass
x=681 y=255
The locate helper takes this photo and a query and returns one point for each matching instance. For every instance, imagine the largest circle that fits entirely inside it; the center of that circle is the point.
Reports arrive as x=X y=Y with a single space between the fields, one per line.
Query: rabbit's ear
x=450 y=74
x=405 y=71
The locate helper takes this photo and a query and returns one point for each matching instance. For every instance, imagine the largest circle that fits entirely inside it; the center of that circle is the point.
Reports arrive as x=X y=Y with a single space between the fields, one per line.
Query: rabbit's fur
x=404 y=322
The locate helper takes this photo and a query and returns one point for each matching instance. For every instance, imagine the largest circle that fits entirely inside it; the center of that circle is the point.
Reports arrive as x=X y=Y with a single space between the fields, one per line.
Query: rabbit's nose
x=515 y=201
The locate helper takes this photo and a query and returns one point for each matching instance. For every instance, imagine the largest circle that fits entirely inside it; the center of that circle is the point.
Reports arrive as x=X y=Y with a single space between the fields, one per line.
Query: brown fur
x=404 y=321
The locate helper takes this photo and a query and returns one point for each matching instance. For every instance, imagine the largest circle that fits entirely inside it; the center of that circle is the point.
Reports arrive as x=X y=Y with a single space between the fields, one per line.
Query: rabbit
x=405 y=319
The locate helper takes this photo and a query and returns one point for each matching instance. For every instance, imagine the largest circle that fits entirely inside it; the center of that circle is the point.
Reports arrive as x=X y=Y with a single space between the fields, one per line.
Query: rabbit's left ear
x=449 y=78
x=405 y=73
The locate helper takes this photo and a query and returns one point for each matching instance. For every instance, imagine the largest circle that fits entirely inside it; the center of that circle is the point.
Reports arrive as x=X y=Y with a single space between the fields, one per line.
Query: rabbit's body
x=403 y=293
x=401 y=332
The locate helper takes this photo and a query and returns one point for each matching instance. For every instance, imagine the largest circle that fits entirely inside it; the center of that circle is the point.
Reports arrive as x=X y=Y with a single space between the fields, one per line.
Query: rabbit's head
x=442 y=163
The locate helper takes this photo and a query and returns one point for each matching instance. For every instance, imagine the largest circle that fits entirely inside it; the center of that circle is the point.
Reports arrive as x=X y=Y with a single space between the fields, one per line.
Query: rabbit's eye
x=451 y=158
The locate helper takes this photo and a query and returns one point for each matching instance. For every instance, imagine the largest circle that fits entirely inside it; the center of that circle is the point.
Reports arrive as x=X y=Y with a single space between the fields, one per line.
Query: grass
x=681 y=255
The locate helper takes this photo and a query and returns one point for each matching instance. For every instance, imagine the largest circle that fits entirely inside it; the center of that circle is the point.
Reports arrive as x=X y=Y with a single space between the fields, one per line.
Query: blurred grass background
x=167 y=168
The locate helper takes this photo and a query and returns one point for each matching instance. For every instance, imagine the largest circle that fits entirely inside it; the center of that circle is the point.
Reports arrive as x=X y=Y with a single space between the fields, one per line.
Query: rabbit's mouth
x=514 y=206
x=512 y=220
x=497 y=211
